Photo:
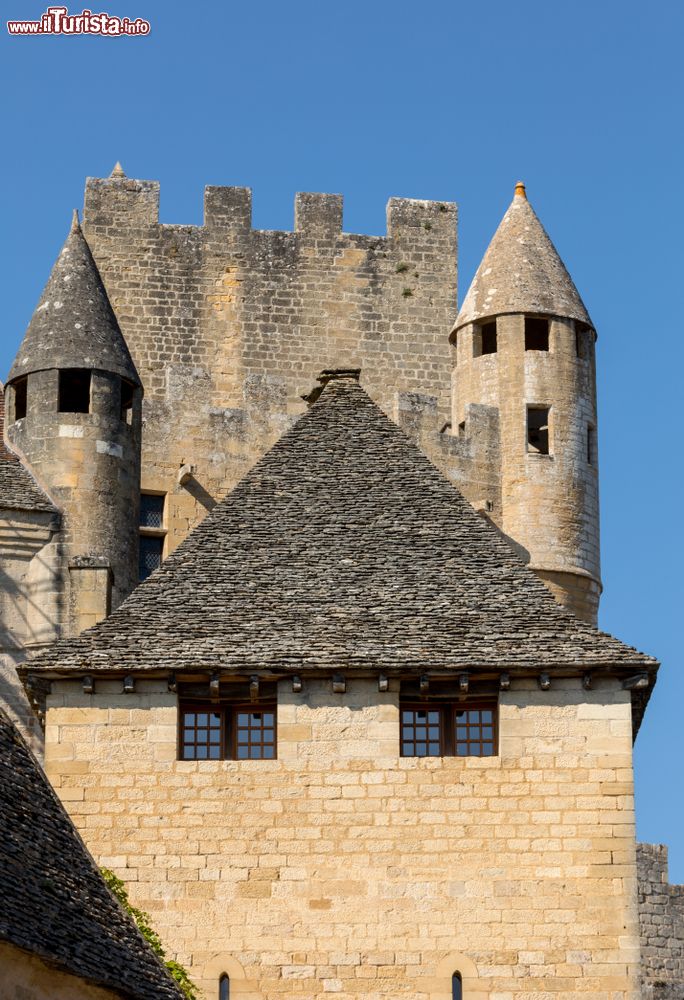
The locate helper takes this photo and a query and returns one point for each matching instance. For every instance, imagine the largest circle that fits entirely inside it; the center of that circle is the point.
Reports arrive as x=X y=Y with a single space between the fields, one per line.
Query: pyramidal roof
x=521 y=272
x=74 y=325
x=54 y=902
x=344 y=547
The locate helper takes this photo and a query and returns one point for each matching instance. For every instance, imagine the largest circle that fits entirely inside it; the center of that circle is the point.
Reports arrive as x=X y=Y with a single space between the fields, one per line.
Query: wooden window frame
x=448 y=744
x=228 y=713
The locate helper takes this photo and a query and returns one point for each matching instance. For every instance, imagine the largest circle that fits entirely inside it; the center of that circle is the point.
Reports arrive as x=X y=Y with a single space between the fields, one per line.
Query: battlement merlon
x=124 y=202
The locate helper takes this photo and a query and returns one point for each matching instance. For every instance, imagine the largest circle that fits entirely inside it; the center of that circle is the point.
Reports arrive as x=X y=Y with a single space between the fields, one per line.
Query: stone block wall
x=661 y=919
x=230 y=326
x=342 y=868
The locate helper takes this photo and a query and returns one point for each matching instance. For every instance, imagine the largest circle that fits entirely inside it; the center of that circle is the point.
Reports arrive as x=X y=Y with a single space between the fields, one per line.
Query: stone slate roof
x=53 y=900
x=521 y=272
x=18 y=488
x=74 y=325
x=343 y=547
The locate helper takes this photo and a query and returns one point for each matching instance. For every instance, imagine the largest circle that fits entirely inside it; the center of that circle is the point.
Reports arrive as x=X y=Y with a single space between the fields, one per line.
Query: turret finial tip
x=118 y=170
x=75 y=224
x=520 y=191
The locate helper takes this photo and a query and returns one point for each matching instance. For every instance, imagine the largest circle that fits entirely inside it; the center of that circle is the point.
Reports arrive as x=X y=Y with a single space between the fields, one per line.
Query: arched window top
x=224 y=987
x=456 y=986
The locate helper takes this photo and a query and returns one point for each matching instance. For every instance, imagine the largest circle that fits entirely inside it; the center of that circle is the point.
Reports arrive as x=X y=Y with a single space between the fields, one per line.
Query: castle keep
x=356 y=731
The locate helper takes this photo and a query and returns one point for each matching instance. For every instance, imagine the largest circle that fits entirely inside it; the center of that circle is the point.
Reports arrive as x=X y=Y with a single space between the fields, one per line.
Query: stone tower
x=74 y=416
x=525 y=345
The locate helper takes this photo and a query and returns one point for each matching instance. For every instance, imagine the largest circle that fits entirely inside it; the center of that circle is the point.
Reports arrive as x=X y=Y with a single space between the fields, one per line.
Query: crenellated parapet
x=661 y=920
x=209 y=312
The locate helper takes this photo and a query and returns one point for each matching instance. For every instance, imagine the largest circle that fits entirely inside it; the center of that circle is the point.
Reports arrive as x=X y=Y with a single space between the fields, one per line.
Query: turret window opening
x=456 y=986
x=20 y=388
x=127 y=391
x=152 y=533
x=536 y=334
x=489 y=338
x=74 y=391
x=538 y=429
x=224 y=987
x=484 y=339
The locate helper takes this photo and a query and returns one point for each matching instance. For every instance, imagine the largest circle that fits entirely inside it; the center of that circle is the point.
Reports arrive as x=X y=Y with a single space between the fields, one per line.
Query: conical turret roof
x=74 y=325
x=344 y=547
x=521 y=272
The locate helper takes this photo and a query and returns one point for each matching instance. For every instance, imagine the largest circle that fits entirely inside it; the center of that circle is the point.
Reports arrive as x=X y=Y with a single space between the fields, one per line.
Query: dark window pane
x=536 y=334
x=538 y=429
x=150 y=555
x=20 y=397
x=151 y=511
x=74 y=391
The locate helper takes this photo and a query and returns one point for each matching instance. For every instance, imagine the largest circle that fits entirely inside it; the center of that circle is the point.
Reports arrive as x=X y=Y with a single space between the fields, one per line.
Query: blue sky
x=444 y=100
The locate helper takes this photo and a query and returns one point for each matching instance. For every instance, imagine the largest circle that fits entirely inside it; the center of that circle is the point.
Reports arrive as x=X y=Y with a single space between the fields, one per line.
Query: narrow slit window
x=538 y=429
x=151 y=553
x=74 y=391
x=591 y=445
x=536 y=334
x=456 y=986
x=152 y=533
x=224 y=987
x=20 y=397
x=489 y=338
x=151 y=510
x=127 y=390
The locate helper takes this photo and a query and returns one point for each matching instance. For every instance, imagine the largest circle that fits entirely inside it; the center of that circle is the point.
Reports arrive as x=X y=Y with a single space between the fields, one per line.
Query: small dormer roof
x=521 y=272
x=74 y=325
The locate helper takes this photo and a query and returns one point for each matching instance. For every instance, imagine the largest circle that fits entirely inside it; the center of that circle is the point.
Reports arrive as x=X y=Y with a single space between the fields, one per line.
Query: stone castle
x=227 y=739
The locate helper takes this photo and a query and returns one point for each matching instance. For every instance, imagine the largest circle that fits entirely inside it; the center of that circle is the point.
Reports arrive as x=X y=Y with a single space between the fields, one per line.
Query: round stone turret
x=525 y=345
x=74 y=415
